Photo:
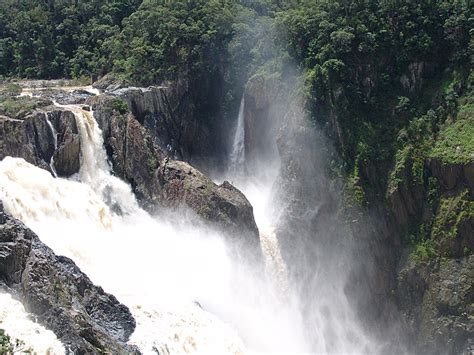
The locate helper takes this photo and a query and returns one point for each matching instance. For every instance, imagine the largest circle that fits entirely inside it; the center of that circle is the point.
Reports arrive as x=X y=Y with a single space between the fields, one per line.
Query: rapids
x=24 y=332
x=159 y=267
x=185 y=290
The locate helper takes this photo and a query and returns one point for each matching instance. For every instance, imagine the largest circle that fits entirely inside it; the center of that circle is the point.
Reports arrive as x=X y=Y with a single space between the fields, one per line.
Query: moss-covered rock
x=453 y=227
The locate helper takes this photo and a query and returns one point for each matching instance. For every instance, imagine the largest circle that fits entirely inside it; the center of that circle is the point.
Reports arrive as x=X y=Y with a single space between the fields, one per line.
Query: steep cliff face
x=47 y=138
x=178 y=124
x=81 y=314
x=435 y=298
x=265 y=103
x=428 y=196
x=159 y=181
x=434 y=287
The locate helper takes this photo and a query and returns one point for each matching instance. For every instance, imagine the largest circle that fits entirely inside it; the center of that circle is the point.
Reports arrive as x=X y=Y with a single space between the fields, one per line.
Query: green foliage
x=424 y=251
x=12 y=106
x=120 y=105
x=455 y=141
x=10 y=89
x=455 y=144
x=152 y=163
x=452 y=212
x=12 y=346
x=354 y=192
x=6 y=347
x=367 y=72
x=51 y=39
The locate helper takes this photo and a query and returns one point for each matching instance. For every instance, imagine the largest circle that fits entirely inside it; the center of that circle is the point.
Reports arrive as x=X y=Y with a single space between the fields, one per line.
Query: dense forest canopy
x=392 y=72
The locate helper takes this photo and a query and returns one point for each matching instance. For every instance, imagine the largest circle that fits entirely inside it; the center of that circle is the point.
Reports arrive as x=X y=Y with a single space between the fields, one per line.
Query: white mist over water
x=158 y=266
x=321 y=309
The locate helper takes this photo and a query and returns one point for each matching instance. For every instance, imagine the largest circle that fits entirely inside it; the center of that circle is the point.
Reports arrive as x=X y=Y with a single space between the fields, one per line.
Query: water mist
x=187 y=293
x=309 y=250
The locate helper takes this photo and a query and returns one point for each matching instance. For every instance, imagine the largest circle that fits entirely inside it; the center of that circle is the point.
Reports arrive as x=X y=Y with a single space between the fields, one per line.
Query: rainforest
x=236 y=177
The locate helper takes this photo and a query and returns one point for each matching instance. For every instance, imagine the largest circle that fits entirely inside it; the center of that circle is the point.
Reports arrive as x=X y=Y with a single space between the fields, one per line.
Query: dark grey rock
x=31 y=138
x=84 y=317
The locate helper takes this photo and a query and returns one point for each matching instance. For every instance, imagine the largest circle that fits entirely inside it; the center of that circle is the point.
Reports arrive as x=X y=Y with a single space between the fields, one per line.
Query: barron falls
x=194 y=273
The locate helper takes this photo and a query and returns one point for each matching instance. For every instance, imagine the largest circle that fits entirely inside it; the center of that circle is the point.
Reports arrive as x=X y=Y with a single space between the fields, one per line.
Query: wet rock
x=63 y=96
x=66 y=157
x=110 y=82
x=32 y=138
x=436 y=299
x=170 y=115
x=223 y=204
x=84 y=317
x=29 y=138
x=159 y=181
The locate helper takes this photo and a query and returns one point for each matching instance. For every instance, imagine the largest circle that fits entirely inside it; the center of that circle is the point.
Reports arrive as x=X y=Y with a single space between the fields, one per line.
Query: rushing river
x=185 y=290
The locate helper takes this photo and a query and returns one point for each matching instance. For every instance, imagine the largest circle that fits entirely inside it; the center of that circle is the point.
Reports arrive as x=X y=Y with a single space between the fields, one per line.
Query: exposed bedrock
x=84 y=317
x=159 y=181
x=32 y=138
x=179 y=122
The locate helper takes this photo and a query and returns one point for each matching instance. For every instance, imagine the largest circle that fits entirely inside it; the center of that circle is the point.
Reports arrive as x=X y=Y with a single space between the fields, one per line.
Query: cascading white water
x=329 y=322
x=237 y=156
x=161 y=266
x=158 y=267
x=29 y=334
x=26 y=334
x=55 y=141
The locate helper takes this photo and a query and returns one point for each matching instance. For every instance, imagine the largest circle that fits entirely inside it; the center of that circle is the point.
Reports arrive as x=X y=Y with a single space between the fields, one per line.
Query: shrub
x=120 y=105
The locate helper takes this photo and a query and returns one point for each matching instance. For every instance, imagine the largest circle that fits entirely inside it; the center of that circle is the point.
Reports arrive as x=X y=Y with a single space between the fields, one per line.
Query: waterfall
x=55 y=141
x=237 y=156
x=159 y=267
x=166 y=267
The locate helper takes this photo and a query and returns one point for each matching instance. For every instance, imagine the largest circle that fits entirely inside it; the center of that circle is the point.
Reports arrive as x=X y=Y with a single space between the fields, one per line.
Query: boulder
x=84 y=317
x=222 y=204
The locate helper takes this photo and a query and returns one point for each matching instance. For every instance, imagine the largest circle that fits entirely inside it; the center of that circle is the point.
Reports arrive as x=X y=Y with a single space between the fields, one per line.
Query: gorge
x=236 y=177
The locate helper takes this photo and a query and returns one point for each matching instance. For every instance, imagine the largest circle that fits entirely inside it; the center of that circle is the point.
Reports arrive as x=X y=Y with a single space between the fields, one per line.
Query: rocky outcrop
x=452 y=176
x=223 y=204
x=159 y=181
x=110 y=82
x=84 y=317
x=436 y=300
x=168 y=112
x=43 y=137
x=432 y=202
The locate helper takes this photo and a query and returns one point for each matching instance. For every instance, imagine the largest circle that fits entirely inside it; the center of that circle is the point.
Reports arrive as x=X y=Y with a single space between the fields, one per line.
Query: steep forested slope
x=390 y=82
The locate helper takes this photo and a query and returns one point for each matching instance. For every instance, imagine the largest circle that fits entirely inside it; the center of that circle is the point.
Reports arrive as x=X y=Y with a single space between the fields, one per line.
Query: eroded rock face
x=68 y=151
x=32 y=138
x=436 y=300
x=169 y=115
x=222 y=204
x=84 y=317
x=451 y=176
x=159 y=181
